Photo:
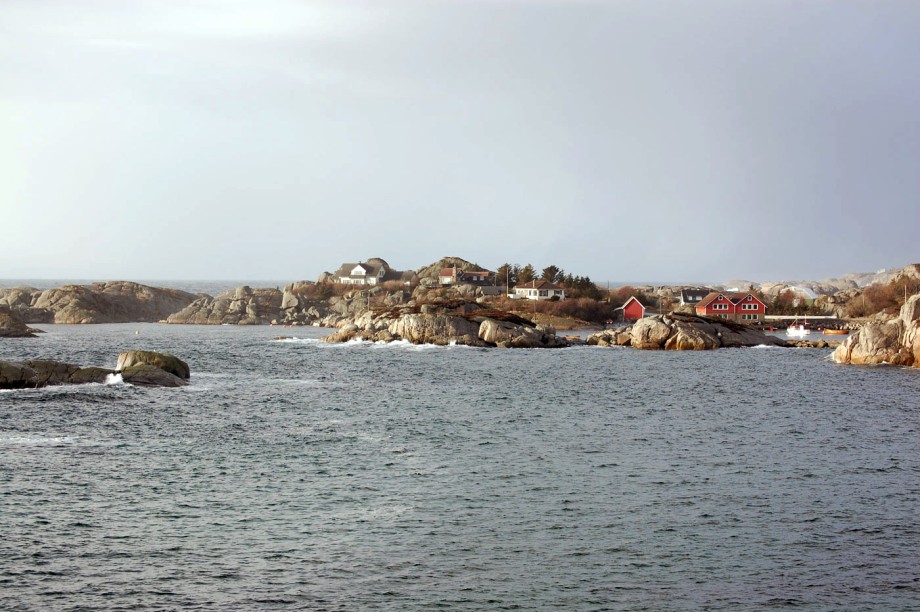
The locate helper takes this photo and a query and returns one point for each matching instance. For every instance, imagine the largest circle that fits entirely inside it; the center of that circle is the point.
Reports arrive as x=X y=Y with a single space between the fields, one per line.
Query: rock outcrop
x=896 y=342
x=684 y=332
x=240 y=306
x=144 y=368
x=11 y=326
x=45 y=372
x=163 y=361
x=144 y=375
x=456 y=322
x=110 y=302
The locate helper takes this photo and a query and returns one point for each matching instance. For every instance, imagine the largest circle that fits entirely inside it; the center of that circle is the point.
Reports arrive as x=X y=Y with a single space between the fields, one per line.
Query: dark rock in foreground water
x=143 y=368
x=151 y=376
x=163 y=361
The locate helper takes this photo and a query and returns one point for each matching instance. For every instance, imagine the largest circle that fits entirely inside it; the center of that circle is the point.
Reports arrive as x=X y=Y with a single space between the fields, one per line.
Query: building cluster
x=742 y=306
x=376 y=271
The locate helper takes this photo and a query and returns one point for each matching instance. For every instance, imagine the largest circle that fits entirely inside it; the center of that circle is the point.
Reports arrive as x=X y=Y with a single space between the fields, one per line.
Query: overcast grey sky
x=623 y=139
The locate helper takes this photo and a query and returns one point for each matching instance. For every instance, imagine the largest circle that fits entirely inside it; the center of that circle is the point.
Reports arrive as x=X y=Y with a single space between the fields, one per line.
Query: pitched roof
x=346 y=268
x=539 y=284
x=734 y=298
x=633 y=298
x=687 y=295
x=710 y=297
x=737 y=298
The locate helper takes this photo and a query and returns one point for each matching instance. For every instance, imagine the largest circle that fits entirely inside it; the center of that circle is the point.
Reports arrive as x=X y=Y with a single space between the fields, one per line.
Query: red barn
x=633 y=310
x=743 y=306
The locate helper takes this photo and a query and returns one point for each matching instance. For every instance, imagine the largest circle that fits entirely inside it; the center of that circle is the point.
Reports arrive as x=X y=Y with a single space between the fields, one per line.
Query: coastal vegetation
x=886 y=299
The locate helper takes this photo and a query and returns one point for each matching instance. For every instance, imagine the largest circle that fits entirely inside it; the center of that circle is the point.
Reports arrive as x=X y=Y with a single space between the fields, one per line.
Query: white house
x=360 y=274
x=539 y=290
x=371 y=272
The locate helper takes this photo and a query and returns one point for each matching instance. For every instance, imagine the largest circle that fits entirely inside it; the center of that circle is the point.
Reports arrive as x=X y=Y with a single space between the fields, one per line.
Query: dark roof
x=539 y=284
x=346 y=268
x=693 y=295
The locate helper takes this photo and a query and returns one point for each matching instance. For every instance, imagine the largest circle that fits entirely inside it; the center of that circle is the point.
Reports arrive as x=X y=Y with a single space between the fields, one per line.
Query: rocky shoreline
x=895 y=342
x=457 y=322
x=377 y=314
x=684 y=332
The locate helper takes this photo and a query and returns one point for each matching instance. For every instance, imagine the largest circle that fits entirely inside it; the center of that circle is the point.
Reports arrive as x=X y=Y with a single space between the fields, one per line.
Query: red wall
x=732 y=308
x=633 y=311
x=712 y=312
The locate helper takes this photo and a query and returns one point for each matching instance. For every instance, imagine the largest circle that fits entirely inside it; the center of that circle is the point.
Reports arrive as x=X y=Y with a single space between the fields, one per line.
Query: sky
x=620 y=139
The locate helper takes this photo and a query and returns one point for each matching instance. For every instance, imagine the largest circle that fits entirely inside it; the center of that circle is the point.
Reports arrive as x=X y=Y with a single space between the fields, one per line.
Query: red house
x=743 y=306
x=633 y=310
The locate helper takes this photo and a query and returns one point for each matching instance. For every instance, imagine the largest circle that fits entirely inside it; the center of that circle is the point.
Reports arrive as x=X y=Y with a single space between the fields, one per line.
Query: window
x=749 y=317
x=720 y=306
x=543 y=293
x=749 y=307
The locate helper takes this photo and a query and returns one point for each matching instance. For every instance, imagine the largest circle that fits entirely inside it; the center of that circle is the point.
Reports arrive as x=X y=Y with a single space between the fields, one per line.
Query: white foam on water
x=409 y=346
x=114 y=379
x=295 y=339
x=375 y=344
x=33 y=440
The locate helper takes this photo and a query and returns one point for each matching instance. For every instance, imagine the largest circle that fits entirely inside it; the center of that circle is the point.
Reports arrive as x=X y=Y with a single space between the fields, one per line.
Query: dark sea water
x=295 y=475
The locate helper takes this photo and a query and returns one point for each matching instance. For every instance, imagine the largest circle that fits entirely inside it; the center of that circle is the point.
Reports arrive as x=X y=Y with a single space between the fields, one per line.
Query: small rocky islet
x=142 y=368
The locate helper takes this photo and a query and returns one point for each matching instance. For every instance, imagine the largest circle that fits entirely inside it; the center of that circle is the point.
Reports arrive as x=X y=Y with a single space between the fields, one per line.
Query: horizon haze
x=712 y=140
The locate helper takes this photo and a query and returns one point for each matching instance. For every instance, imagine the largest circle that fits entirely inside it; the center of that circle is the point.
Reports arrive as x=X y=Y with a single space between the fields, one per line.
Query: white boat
x=797 y=330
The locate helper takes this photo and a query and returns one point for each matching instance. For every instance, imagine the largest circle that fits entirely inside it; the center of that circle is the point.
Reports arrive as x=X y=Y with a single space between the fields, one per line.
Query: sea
x=292 y=474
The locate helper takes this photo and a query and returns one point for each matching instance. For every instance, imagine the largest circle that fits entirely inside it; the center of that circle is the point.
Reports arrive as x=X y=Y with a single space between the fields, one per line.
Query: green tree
x=526 y=274
x=550 y=273
x=504 y=274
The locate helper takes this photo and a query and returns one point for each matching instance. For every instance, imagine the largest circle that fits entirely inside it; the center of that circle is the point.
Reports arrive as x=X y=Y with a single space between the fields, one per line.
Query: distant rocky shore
x=111 y=302
x=129 y=302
